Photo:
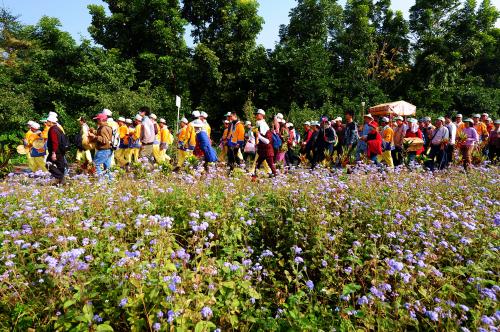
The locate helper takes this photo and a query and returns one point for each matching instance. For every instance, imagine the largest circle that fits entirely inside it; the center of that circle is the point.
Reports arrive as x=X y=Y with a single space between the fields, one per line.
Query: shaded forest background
x=329 y=58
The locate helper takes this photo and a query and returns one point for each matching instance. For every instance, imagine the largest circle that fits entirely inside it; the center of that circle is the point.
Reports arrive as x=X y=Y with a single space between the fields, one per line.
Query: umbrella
x=401 y=108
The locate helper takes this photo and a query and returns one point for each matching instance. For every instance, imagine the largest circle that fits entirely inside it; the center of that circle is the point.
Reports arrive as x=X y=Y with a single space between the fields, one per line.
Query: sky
x=75 y=17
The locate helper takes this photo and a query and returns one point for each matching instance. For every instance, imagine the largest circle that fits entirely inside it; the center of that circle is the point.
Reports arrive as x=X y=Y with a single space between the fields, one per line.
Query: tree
x=149 y=32
x=224 y=33
x=302 y=60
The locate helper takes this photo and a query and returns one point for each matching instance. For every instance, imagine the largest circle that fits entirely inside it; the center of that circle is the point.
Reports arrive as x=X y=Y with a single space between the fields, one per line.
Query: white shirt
x=440 y=134
x=452 y=130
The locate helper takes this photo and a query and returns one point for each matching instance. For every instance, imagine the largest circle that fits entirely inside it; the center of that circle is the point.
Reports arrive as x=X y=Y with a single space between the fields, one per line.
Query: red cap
x=101 y=117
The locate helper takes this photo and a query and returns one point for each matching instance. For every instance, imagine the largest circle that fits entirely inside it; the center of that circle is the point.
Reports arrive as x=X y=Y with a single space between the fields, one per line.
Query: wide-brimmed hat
x=260 y=111
x=196 y=114
x=385 y=119
x=128 y=121
x=121 y=119
x=138 y=117
x=368 y=116
x=469 y=120
x=400 y=118
x=107 y=112
x=204 y=114
x=162 y=120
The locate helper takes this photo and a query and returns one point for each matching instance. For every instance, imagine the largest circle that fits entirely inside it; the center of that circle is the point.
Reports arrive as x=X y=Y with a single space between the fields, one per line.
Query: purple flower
x=310 y=284
x=156 y=326
x=206 y=312
x=363 y=300
x=123 y=302
x=432 y=315
x=298 y=260
x=395 y=266
x=97 y=318
x=487 y=320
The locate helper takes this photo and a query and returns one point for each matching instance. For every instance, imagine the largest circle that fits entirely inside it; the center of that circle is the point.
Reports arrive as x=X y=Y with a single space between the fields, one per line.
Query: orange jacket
x=236 y=134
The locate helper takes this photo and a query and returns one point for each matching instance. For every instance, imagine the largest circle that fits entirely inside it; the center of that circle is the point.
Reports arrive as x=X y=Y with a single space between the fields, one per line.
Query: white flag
x=178 y=101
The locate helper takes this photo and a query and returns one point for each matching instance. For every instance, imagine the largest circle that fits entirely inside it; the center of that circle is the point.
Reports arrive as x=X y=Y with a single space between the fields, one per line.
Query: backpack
x=115 y=139
x=78 y=141
x=277 y=141
x=64 y=143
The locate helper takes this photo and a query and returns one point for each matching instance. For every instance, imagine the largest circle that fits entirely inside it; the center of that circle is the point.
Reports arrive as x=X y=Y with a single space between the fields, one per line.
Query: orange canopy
x=401 y=108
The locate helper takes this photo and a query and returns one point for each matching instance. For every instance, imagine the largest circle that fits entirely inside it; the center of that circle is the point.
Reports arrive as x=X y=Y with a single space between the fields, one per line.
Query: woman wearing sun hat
x=414 y=132
x=470 y=142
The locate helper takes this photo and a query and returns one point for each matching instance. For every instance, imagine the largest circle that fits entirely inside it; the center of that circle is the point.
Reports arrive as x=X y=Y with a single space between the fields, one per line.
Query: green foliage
x=444 y=59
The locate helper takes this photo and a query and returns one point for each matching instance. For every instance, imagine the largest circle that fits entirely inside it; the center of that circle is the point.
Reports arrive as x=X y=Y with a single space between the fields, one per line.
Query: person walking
x=494 y=143
x=148 y=135
x=265 y=150
x=438 y=141
x=387 y=142
x=259 y=116
x=203 y=144
x=235 y=141
x=56 y=161
x=450 y=148
x=249 y=151
x=469 y=144
x=351 y=135
x=135 y=139
x=166 y=139
x=121 y=154
x=103 y=140
x=373 y=143
x=399 y=135
x=362 y=147
x=414 y=132
x=325 y=142
x=35 y=148
x=83 y=153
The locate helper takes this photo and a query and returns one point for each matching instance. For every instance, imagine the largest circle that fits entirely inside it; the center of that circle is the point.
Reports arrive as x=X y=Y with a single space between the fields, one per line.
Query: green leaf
x=350 y=288
x=228 y=284
x=204 y=326
x=103 y=328
x=68 y=304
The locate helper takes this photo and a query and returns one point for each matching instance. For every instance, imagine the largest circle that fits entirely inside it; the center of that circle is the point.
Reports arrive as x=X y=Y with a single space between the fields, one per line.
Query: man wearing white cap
x=259 y=116
x=387 y=142
x=156 y=144
x=452 y=131
x=148 y=134
x=35 y=152
x=206 y=126
x=480 y=127
x=185 y=144
x=166 y=139
x=459 y=123
x=56 y=160
x=135 y=139
x=223 y=142
x=362 y=145
x=121 y=154
x=399 y=135
x=27 y=147
x=83 y=153
x=438 y=141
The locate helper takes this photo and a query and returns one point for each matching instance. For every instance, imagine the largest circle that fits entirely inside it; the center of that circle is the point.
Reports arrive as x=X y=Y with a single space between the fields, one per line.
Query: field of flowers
x=307 y=251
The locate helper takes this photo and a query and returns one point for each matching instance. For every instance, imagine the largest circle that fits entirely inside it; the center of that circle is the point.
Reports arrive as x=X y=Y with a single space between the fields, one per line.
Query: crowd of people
x=384 y=141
